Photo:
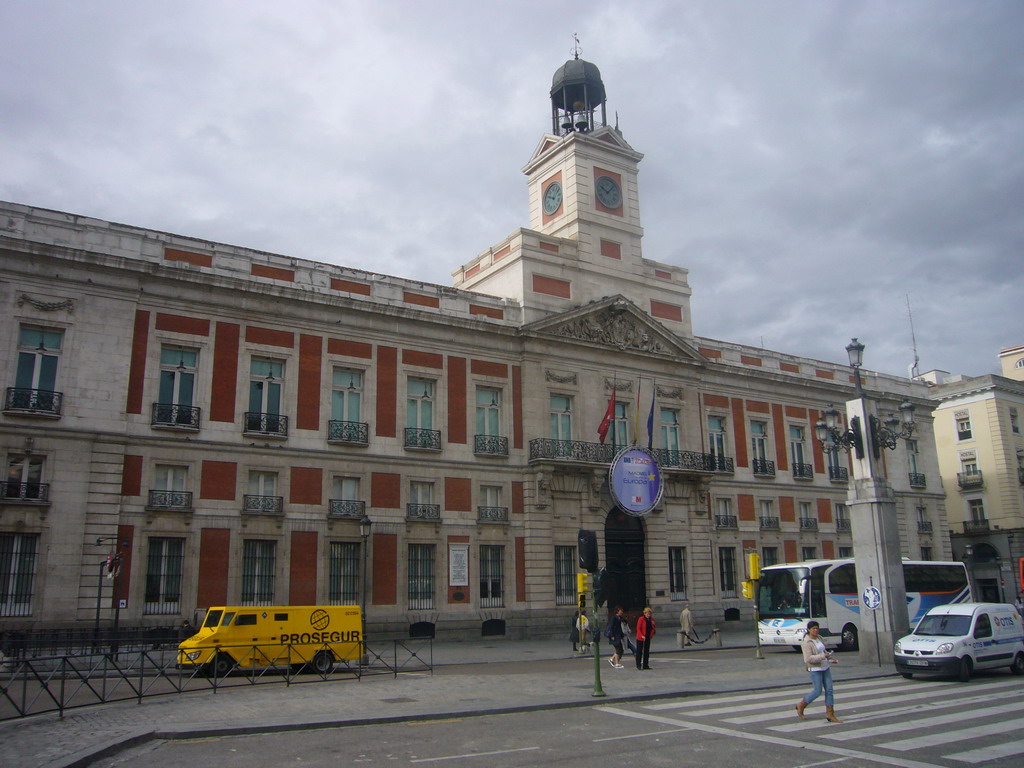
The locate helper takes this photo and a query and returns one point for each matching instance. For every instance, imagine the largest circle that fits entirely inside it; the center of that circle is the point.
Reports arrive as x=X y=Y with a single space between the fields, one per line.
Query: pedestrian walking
x=615 y=634
x=818 y=661
x=645 y=628
x=686 y=623
x=583 y=628
x=574 y=632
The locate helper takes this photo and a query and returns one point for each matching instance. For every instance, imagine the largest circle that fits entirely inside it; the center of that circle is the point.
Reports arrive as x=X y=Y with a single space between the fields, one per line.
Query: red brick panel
x=422 y=359
x=487 y=368
x=350 y=286
x=457 y=400
x=420 y=300
x=517 y=407
x=307 y=409
x=661 y=274
x=748 y=360
x=520 y=569
x=711 y=354
x=196 y=326
x=498 y=255
x=756 y=406
x=123 y=580
x=385 y=569
x=666 y=311
x=458 y=494
x=518 y=500
x=739 y=429
x=137 y=366
x=386 y=490
x=494 y=312
x=131 y=476
x=307 y=485
x=611 y=250
x=387 y=391
x=195 y=259
x=475 y=269
x=218 y=480
x=225 y=372
x=302 y=569
x=350 y=348
x=745 y=503
x=824 y=510
x=824 y=374
x=789 y=551
x=269 y=337
x=787 y=509
x=552 y=286
x=275 y=273
x=789 y=367
x=716 y=401
x=828 y=550
x=548 y=246
x=214 y=554
x=781 y=438
x=796 y=412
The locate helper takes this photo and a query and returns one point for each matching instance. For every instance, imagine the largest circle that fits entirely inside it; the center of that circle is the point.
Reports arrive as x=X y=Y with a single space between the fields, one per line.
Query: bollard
x=679 y=640
x=718 y=637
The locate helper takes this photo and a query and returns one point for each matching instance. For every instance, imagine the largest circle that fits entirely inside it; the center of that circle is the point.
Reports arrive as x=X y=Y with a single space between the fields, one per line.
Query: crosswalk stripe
x=993 y=752
x=925 y=722
x=960 y=734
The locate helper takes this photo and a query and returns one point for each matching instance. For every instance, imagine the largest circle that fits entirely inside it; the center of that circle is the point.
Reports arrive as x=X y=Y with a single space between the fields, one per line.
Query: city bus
x=826 y=590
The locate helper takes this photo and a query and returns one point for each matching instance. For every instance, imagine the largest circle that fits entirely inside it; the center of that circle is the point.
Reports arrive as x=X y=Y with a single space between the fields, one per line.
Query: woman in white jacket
x=818 y=661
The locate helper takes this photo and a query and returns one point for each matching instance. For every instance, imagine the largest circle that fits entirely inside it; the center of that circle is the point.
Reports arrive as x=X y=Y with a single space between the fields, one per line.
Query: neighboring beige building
x=246 y=427
x=981 y=458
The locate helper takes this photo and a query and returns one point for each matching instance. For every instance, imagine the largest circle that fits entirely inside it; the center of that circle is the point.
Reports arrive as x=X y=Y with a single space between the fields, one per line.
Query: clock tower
x=584 y=236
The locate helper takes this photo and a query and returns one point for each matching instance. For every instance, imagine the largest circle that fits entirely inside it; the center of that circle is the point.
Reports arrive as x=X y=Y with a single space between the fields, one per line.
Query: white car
x=959 y=638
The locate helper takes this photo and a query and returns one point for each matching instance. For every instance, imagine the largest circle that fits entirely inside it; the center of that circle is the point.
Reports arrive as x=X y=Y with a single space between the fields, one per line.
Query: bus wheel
x=850 y=641
x=908 y=675
x=220 y=666
x=964 y=673
x=323 y=662
x=1018 y=664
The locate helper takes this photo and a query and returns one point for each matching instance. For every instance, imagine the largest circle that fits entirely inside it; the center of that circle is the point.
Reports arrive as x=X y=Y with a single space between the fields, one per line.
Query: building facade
x=189 y=423
x=981 y=458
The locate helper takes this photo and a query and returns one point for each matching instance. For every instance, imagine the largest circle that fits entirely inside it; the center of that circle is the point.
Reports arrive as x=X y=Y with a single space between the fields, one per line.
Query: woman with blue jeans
x=817 y=660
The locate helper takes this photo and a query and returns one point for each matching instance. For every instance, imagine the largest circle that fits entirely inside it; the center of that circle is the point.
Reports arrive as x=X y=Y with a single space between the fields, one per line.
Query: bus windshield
x=783 y=593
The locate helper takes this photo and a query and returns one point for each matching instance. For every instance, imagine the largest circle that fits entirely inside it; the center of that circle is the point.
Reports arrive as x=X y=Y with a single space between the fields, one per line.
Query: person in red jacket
x=645 y=629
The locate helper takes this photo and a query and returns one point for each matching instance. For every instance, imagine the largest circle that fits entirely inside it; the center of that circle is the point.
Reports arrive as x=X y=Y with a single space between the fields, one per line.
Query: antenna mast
x=913 y=341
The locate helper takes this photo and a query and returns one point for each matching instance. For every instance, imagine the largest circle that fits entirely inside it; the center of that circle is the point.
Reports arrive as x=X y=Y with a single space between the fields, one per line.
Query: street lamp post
x=109 y=567
x=365 y=526
x=872 y=504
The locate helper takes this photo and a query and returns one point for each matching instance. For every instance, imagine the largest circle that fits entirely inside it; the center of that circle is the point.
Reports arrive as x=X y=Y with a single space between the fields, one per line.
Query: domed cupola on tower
x=576 y=93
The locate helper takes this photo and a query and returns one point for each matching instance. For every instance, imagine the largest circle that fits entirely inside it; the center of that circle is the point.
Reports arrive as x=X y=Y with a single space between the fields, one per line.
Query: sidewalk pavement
x=469 y=678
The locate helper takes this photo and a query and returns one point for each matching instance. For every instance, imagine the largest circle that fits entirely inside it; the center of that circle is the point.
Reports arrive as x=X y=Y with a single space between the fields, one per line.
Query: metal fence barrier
x=35 y=685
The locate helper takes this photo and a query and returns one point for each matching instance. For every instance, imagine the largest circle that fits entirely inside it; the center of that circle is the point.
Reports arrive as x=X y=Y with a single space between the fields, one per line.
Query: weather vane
x=575 y=46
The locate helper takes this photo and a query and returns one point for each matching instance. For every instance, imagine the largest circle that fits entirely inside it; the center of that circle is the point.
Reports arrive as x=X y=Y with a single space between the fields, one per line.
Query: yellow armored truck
x=302 y=637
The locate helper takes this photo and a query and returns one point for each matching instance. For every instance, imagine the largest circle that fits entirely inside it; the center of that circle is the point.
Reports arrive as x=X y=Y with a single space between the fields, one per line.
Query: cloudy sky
x=812 y=163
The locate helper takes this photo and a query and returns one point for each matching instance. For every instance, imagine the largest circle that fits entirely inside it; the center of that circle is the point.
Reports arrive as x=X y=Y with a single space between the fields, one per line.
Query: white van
x=956 y=639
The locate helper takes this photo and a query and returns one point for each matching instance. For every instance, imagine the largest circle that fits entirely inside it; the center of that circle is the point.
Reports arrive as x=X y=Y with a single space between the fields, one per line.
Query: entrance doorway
x=624 y=562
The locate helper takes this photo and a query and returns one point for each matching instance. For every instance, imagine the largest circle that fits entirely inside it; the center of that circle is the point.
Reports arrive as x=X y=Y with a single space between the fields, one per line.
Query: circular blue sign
x=635 y=481
x=871 y=598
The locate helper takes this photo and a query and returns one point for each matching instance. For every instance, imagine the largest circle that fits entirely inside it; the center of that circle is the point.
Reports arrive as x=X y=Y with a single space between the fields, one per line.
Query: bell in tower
x=576 y=93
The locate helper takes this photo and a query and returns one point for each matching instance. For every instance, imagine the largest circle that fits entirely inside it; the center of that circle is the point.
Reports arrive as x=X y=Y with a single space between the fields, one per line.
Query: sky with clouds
x=815 y=164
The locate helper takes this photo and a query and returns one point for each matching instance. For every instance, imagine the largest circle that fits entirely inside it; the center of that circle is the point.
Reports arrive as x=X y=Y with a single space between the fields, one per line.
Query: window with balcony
x=175 y=405
x=259 y=563
x=917 y=479
x=491 y=576
x=724 y=518
x=264 y=416
x=924 y=525
x=801 y=469
x=963 y=427
x=976 y=521
x=668 y=419
x=769 y=521
x=837 y=473
x=262 y=496
x=808 y=553
x=926 y=553
x=17 y=572
x=35 y=379
x=492 y=508
x=170 y=482
x=345 y=498
x=969 y=475
x=24 y=482
x=421 y=504
x=842 y=515
x=565 y=575
x=343 y=573
x=420 y=590
x=761 y=464
x=346 y=424
x=808 y=520
x=419 y=416
x=719 y=462
x=677 y=572
x=769 y=556
x=727 y=571
x=164 y=562
x=620 y=424
x=488 y=440
x=1014 y=421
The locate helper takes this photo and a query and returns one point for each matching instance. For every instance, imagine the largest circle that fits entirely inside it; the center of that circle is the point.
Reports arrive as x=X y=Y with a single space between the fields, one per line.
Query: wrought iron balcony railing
x=174 y=501
x=808 y=523
x=572 y=450
x=802 y=471
x=725 y=521
x=27 y=493
x=719 y=463
x=769 y=523
x=263 y=505
x=350 y=432
x=423 y=511
x=839 y=474
x=924 y=526
x=843 y=524
x=266 y=424
x=976 y=526
x=423 y=439
x=174 y=415
x=349 y=509
x=693 y=461
x=763 y=468
x=490 y=445
x=969 y=479
x=40 y=402
x=492 y=514
x=917 y=480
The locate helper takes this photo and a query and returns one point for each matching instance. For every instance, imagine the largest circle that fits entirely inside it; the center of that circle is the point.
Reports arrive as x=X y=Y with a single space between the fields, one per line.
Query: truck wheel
x=220 y=665
x=323 y=662
x=1018 y=664
x=850 y=641
x=964 y=672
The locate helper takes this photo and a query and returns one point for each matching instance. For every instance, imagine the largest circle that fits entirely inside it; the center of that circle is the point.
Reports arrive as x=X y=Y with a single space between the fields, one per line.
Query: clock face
x=608 y=192
x=552 y=197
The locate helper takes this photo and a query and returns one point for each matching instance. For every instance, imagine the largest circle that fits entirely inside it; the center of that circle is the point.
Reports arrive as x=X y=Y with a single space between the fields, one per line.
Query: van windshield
x=212 y=619
x=944 y=626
